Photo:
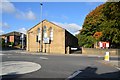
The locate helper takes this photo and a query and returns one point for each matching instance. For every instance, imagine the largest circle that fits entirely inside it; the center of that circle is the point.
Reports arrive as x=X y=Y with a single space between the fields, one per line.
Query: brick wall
x=11 y=38
x=55 y=46
x=100 y=51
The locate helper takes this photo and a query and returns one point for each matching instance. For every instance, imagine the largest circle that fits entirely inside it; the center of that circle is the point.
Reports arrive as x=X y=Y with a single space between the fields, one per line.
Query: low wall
x=114 y=52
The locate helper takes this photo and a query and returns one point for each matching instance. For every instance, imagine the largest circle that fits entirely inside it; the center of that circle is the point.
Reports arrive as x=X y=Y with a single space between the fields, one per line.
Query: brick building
x=13 y=37
x=50 y=38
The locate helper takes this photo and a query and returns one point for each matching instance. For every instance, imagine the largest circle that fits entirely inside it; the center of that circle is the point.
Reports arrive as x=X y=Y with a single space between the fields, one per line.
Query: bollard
x=107 y=57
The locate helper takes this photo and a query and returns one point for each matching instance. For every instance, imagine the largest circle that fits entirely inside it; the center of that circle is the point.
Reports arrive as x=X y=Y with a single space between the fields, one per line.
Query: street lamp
x=41 y=10
x=41 y=28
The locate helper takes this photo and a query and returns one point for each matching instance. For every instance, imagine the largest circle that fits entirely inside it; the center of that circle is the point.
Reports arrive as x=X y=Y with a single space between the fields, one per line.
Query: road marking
x=18 y=67
x=44 y=58
x=118 y=68
x=23 y=52
x=74 y=74
x=1 y=54
x=4 y=54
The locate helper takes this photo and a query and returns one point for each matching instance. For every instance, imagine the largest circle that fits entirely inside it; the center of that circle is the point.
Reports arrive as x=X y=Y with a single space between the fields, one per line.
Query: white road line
x=23 y=52
x=118 y=68
x=1 y=54
x=43 y=58
x=74 y=74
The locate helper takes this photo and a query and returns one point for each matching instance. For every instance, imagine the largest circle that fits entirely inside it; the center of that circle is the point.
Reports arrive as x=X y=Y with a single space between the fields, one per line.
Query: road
x=62 y=66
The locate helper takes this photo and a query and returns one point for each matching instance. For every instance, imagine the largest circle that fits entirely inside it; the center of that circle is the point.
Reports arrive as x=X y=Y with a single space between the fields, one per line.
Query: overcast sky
x=21 y=16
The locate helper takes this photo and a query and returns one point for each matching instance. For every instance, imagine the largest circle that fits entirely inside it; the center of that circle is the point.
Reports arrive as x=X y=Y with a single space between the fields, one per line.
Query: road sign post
x=22 y=36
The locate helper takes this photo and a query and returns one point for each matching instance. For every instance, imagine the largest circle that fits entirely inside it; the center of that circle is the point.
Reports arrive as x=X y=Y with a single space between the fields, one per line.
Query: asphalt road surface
x=62 y=67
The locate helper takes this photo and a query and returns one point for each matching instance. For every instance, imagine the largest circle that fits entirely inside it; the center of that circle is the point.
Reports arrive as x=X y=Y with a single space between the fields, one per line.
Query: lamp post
x=41 y=28
x=41 y=10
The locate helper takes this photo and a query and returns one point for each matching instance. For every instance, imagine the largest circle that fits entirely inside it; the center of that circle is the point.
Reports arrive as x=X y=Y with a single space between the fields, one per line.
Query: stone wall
x=114 y=52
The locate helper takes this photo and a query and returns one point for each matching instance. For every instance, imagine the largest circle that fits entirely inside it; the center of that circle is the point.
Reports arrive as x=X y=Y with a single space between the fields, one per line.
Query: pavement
x=113 y=63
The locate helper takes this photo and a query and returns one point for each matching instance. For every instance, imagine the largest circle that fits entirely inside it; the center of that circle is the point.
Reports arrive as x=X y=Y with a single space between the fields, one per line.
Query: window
x=51 y=33
x=39 y=34
x=36 y=38
x=45 y=32
x=38 y=30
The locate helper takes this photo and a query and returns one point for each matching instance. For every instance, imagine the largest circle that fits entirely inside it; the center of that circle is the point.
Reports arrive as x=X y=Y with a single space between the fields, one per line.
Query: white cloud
x=4 y=25
x=72 y=27
x=1 y=32
x=7 y=7
x=26 y=15
x=76 y=32
x=31 y=15
x=22 y=30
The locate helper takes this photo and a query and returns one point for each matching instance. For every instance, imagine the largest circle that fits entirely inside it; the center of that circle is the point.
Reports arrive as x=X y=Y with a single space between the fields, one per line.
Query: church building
x=48 y=37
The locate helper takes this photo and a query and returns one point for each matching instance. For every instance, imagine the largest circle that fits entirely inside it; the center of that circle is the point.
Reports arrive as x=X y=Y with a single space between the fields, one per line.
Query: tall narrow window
x=38 y=30
x=51 y=33
x=36 y=38
x=45 y=32
x=39 y=34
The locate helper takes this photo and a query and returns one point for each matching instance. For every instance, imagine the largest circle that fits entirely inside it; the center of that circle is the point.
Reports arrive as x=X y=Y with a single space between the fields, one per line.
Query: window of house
x=39 y=34
x=45 y=32
x=36 y=38
x=51 y=33
x=38 y=30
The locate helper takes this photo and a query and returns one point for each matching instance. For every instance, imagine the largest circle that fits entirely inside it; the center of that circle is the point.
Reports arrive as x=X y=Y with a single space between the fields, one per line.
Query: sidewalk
x=114 y=63
x=56 y=54
x=41 y=53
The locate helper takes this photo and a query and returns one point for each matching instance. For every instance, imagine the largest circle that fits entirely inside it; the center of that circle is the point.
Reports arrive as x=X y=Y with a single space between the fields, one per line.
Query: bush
x=2 y=42
x=11 y=43
x=88 y=45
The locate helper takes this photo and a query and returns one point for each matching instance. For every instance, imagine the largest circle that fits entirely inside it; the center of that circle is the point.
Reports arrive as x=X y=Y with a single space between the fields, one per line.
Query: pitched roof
x=12 y=33
x=43 y=21
x=51 y=23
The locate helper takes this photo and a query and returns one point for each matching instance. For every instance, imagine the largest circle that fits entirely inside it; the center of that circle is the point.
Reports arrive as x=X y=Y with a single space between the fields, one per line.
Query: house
x=13 y=39
x=48 y=37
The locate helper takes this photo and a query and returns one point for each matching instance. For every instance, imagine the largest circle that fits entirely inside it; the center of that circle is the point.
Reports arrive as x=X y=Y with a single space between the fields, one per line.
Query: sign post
x=22 y=36
x=5 y=39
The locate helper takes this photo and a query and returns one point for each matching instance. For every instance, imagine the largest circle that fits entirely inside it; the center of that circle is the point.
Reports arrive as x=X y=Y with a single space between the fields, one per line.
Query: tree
x=97 y=35
x=2 y=42
x=101 y=24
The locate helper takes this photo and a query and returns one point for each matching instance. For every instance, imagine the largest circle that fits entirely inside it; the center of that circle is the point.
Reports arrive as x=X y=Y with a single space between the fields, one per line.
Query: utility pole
x=41 y=28
x=41 y=10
